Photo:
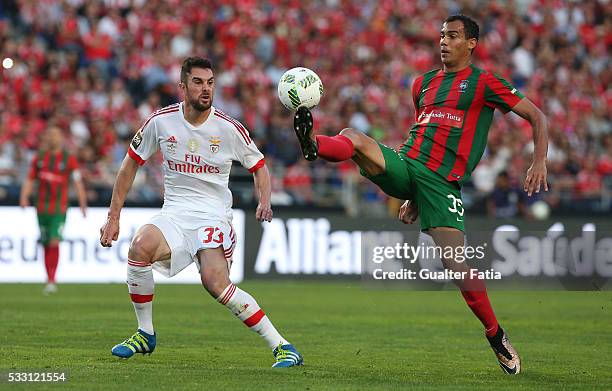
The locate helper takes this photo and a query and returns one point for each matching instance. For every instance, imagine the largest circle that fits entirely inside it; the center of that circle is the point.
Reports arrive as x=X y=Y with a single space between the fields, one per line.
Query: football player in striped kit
x=454 y=110
x=50 y=172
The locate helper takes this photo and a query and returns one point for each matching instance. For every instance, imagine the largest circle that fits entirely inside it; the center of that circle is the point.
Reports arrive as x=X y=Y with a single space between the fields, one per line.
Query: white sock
x=141 y=285
x=247 y=310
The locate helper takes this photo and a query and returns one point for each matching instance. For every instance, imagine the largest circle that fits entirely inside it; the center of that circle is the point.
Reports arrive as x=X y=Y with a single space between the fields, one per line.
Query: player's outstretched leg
x=214 y=274
x=333 y=149
x=248 y=311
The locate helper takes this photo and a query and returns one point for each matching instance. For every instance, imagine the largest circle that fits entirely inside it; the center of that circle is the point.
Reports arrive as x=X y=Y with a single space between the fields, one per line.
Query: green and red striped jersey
x=52 y=172
x=454 y=111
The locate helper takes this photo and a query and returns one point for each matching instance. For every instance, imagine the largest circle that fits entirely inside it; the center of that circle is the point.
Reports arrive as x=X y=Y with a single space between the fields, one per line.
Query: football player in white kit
x=198 y=143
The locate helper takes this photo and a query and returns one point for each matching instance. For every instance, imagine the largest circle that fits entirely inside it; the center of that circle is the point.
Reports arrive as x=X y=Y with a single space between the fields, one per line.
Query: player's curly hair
x=194 y=62
x=469 y=25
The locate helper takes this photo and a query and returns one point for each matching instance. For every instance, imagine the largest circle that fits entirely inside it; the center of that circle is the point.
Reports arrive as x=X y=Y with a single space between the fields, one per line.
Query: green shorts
x=51 y=226
x=439 y=201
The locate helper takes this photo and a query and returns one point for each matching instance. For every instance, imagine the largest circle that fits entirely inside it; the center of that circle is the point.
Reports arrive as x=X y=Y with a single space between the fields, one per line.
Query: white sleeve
x=245 y=150
x=144 y=143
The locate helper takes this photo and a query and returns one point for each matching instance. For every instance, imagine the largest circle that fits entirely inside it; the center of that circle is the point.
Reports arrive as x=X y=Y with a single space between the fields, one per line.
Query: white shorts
x=186 y=237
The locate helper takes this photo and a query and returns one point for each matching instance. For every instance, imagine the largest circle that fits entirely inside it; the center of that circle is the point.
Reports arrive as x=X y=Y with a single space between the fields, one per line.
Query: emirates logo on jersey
x=193 y=165
x=214 y=144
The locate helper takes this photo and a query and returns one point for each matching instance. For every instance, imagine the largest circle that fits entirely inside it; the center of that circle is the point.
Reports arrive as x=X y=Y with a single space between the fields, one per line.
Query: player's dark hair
x=470 y=27
x=194 y=62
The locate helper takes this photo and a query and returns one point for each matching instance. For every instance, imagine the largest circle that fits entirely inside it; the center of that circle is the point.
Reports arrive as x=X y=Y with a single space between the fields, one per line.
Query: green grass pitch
x=351 y=338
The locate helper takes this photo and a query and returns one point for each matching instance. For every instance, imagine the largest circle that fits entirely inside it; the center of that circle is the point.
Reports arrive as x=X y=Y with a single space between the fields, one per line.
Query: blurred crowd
x=98 y=68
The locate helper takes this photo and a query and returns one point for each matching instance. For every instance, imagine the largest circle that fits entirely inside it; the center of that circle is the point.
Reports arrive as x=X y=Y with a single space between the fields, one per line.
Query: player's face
x=200 y=88
x=54 y=138
x=454 y=47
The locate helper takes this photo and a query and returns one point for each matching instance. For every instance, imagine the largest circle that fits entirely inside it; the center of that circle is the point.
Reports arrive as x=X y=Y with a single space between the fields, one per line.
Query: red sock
x=51 y=260
x=335 y=149
x=475 y=294
x=46 y=259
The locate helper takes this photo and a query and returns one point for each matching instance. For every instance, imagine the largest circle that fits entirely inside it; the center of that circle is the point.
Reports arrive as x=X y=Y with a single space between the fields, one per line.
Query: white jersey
x=197 y=159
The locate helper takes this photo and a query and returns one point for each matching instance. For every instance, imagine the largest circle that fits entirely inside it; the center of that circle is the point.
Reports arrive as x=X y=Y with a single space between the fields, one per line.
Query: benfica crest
x=214 y=144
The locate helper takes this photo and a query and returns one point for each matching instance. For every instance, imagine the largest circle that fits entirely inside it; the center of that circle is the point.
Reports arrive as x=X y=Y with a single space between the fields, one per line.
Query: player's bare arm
x=26 y=192
x=263 y=190
x=125 y=177
x=536 y=174
x=81 y=194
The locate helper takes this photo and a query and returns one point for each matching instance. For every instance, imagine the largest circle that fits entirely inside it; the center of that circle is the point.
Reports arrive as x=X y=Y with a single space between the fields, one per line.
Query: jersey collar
x=212 y=113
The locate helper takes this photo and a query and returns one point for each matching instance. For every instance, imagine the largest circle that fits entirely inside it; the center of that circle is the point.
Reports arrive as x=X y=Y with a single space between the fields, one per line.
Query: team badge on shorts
x=463 y=85
x=193 y=145
x=214 y=144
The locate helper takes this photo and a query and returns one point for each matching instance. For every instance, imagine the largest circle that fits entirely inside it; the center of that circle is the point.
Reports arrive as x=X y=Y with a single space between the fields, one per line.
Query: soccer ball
x=300 y=87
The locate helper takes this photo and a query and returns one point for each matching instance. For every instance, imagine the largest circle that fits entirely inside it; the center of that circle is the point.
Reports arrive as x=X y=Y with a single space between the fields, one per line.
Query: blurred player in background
x=50 y=172
x=454 y=109
x=198 y=143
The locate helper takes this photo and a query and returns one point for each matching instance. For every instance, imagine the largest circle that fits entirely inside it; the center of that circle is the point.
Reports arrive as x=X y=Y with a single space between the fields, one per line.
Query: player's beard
x=195 y=103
